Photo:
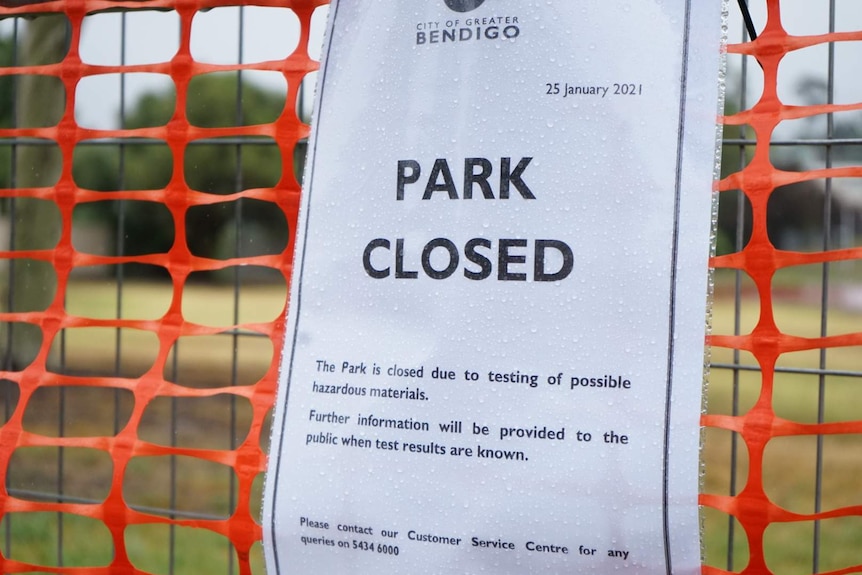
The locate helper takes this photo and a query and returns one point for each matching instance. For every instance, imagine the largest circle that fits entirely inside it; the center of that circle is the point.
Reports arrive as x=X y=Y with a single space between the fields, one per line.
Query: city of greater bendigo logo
x=463 y=5
x=468 y=28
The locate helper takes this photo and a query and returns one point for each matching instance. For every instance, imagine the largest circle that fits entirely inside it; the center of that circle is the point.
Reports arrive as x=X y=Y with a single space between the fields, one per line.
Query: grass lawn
x=203 y=361
x=206 y=361
x=790 y=463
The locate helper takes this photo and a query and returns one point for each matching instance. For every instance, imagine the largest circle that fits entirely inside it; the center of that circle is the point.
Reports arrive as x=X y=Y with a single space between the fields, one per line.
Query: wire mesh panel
x=149 y=154
x=149 y=190
x=782 y=430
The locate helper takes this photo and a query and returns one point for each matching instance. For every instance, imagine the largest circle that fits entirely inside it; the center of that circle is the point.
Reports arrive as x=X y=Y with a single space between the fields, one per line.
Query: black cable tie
x=746 y=16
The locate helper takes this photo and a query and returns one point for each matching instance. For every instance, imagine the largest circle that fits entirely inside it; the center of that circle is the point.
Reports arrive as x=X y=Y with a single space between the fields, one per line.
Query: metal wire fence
x=798 y=473
x=134 y=438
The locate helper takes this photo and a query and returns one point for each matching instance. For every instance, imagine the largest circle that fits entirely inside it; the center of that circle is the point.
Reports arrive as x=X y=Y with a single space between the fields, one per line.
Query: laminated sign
x=495 y=339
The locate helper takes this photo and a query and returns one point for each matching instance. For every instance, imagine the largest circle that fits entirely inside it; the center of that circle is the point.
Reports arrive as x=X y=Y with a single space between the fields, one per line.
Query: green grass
x=200 y=487
x=35 y=539
x=795 y=395
x=789 y=472
x=790 y=466
x=206 y=360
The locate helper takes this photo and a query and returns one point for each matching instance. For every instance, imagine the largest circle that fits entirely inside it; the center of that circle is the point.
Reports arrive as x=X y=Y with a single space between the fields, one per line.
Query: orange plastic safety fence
x=760 y=260
x=247 y=459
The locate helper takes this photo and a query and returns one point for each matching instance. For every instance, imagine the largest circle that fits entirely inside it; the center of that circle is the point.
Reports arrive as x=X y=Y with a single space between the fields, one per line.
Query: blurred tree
x=795 y=213
x=815 y=91
x=33 y=224
x=215 y=167
x=7 y=94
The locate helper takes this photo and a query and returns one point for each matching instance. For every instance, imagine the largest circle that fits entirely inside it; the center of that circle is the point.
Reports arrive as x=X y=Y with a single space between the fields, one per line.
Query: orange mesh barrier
x=248 y=459
x=760 y=260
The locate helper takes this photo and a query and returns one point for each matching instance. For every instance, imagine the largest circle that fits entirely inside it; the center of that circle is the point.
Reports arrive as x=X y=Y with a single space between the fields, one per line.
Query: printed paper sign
x=495 y=339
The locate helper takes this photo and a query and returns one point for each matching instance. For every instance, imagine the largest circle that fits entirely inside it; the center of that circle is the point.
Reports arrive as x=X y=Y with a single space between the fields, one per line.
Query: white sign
x=495 y=339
